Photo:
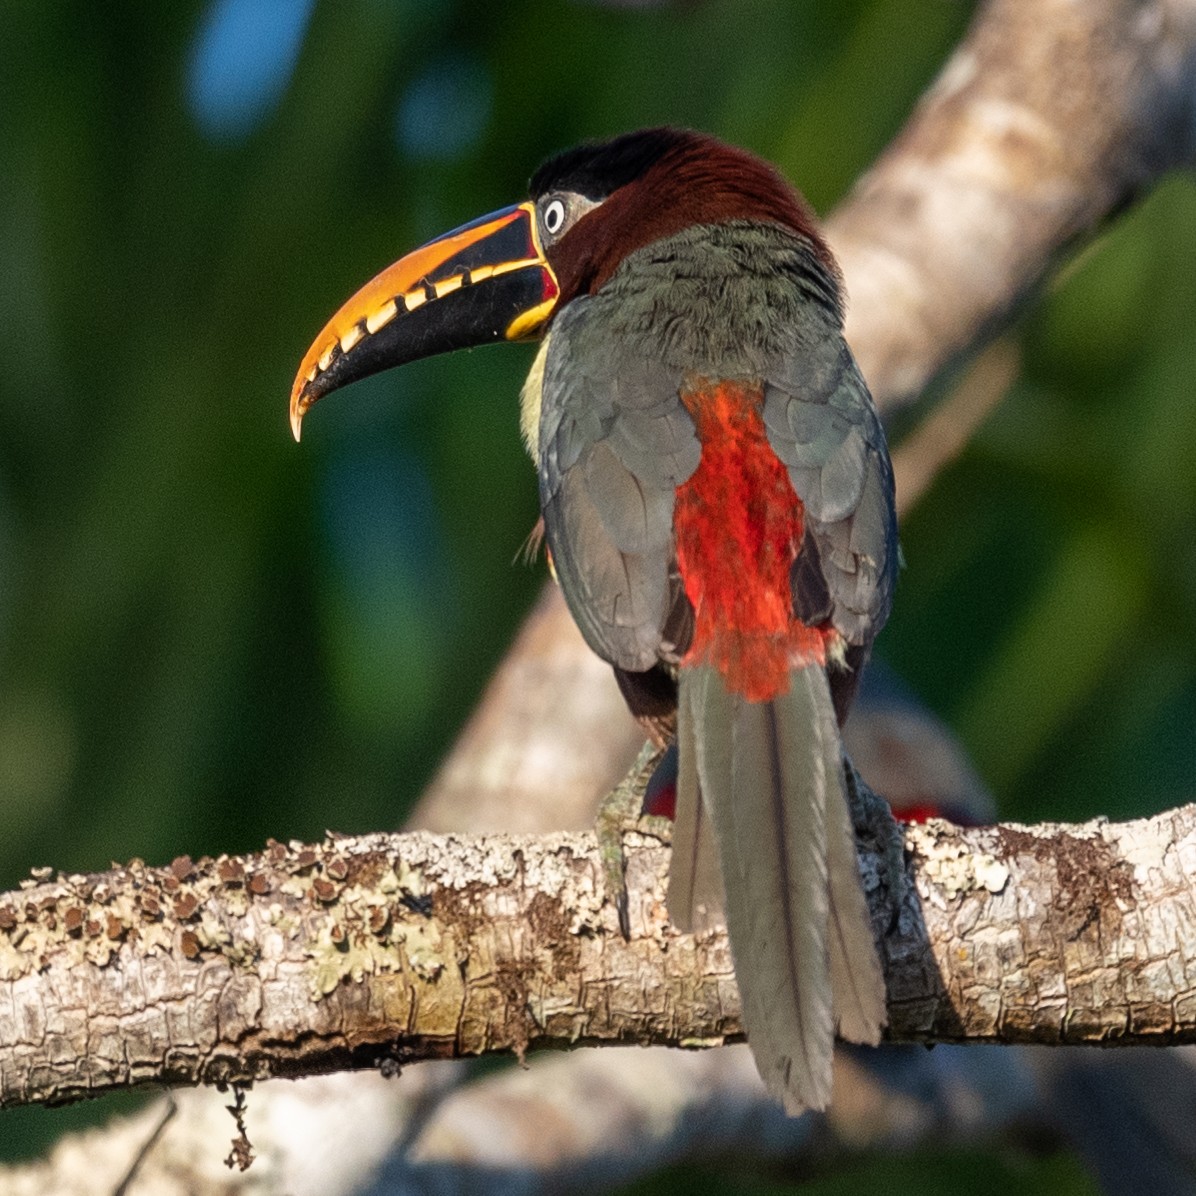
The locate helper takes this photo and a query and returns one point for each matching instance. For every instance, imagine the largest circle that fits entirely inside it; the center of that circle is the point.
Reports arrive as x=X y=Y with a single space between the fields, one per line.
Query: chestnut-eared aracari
x=718 y=510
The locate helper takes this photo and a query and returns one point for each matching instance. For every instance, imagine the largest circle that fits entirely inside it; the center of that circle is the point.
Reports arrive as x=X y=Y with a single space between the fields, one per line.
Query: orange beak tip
x=298 y=410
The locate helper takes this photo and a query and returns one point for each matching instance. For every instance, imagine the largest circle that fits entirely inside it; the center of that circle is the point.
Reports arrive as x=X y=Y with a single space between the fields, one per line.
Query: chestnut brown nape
x=658 y=182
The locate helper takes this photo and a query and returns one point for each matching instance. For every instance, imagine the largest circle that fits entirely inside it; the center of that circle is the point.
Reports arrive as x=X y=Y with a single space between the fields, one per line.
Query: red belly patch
x=738 y=525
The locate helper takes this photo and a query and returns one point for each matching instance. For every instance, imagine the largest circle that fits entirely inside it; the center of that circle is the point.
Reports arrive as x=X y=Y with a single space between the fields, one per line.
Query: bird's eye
x=554 y=217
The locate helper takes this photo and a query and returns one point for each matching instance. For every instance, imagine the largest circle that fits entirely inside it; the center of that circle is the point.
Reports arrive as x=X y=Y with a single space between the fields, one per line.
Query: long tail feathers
x=695 y=895
x=771 y=784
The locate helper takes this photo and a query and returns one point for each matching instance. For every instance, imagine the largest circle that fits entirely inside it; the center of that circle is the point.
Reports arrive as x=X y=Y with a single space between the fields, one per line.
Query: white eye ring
x=554 y=217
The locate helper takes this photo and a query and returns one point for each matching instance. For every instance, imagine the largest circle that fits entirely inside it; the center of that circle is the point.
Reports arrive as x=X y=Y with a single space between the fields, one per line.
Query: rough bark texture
x=402 y=947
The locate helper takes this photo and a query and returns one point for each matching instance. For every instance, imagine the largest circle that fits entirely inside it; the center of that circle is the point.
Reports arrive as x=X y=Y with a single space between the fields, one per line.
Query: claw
x=623 y=910
x=871 y=816
x=619 y=813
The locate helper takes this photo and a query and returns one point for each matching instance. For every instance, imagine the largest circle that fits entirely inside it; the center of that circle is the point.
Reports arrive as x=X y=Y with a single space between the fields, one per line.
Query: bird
x=717 y=508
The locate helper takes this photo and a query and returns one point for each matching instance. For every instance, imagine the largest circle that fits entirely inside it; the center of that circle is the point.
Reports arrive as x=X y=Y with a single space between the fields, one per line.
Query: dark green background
x=209 y=635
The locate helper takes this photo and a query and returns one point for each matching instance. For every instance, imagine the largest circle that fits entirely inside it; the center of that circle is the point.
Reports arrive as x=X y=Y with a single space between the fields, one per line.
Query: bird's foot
x=621 y=812
x=872 y=819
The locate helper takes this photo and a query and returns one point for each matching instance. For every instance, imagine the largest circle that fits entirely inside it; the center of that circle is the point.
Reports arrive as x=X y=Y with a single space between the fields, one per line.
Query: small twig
x=945 y=432
x=143 y=1153
x=241 y=1155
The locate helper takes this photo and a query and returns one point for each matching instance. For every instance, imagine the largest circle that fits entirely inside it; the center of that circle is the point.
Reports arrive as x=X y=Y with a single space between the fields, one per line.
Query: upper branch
x=1048 y=117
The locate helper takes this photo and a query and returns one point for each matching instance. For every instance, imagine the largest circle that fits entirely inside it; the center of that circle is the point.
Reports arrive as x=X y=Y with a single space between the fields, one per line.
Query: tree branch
x=1047 y=118
x=360 y=951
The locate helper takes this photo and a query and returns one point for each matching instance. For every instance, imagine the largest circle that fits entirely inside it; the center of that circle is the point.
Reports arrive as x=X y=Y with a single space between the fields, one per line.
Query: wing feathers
x=615 y=442
x=824 y=428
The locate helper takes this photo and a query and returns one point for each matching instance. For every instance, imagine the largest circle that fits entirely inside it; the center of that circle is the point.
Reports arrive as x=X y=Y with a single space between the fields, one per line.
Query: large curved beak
x=486 y=281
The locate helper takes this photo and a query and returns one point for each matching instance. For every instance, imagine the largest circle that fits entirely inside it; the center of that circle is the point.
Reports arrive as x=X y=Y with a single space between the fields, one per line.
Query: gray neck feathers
x=724 y=299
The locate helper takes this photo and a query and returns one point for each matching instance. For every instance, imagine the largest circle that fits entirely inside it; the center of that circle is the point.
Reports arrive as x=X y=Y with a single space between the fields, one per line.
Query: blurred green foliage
x=209 y=635
x=1049 y=606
